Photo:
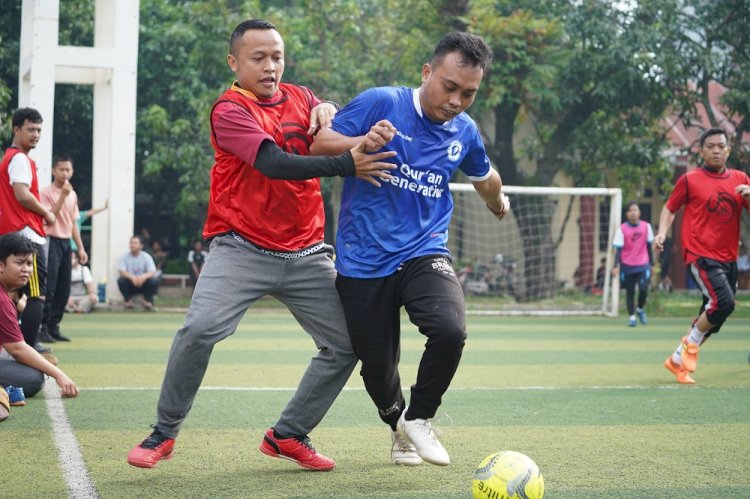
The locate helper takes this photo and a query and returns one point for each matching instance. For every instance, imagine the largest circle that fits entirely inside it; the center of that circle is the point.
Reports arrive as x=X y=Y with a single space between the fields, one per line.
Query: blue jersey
x=408 y=217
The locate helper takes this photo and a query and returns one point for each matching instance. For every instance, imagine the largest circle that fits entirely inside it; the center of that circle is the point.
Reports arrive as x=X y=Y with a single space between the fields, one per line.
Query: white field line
x=458 y=389
x=69 y=454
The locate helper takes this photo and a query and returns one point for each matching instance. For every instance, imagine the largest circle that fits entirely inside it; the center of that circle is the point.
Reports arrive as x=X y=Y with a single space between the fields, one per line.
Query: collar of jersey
x=418 y=108
x=237 y=88
x=713 y=173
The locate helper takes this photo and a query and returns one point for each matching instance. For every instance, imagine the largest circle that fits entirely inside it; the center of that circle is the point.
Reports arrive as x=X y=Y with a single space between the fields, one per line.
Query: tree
x=579 y=74
x=181 y=71
x=713 y=43
x=577 y=88
x=73 y=103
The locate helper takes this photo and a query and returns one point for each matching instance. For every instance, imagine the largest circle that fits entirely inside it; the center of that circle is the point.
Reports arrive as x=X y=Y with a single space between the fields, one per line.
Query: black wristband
x=496 y=213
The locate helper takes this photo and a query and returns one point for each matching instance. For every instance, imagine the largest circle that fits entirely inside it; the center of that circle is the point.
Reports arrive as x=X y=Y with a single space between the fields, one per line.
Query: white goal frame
x=611 y=289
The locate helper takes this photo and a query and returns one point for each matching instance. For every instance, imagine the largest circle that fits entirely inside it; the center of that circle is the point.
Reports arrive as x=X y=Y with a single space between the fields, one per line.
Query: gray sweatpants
x=234 y=276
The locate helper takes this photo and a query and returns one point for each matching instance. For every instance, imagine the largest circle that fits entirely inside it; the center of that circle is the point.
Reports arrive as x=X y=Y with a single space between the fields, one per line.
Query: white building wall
x=111 y=66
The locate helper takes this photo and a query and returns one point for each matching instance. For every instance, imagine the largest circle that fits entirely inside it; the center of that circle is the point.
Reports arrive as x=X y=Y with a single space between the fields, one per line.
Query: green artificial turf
x=587 y=398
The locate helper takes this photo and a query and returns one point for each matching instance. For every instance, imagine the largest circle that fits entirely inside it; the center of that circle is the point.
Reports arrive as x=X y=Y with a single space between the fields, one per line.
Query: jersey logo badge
x=454 y=150
x=723 y=206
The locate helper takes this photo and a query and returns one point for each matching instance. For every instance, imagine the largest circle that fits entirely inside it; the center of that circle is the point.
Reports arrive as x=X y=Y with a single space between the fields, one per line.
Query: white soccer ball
x=507 y=475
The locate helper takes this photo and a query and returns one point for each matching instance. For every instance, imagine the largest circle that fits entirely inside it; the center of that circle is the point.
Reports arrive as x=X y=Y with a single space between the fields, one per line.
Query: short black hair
x=60 y=158
x=24 y=114
x=629 y=204
x=474 y=50
x=713 y=131
x=13 y=244
x=245 y=26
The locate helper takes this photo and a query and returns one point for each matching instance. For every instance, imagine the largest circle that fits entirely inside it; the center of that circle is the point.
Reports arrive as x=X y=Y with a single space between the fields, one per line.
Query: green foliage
x=176 y=266
x=716 y=48
x=581 y=80
x=181 y=71
x=77 y=23
x=342 y=47
x=527 y=56
x=10 y=34
x=577 y=87
x=625 y=101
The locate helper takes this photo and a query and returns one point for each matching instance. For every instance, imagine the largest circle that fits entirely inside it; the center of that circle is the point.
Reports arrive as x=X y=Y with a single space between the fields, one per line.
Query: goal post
x=551 y=255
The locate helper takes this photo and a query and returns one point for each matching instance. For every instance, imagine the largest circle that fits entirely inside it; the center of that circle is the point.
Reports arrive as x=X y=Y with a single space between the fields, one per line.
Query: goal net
x=550 y=256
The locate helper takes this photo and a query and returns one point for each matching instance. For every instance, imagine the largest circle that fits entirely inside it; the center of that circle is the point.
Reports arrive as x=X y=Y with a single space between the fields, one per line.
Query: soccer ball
x=507 y=475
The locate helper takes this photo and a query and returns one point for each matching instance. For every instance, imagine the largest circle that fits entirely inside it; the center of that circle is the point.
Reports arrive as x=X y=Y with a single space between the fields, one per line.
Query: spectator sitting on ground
x=82 y=292
x=18 y=297
x=137 y=275
x=20 y=364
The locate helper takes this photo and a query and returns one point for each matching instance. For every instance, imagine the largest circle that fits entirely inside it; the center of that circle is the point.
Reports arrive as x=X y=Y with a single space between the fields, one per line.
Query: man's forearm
x=275 y=163
x=58 y=205
x=490 y=190
x=327 y=142
x=666 y=217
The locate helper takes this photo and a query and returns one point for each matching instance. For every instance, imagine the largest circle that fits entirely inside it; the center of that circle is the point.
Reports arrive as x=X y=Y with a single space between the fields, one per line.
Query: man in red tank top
x=265 y=227
x=713 y=197
x=21 y=212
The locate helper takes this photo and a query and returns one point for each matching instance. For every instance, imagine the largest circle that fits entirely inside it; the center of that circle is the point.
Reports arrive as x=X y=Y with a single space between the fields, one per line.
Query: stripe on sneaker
x=273 y=444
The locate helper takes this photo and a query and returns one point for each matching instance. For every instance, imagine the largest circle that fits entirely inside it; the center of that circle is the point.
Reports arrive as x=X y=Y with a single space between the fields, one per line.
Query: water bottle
x=102 y=291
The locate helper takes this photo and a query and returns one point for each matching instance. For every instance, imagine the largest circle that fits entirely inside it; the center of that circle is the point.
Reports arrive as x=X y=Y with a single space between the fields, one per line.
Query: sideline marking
x=675 y=386
x=69 y=455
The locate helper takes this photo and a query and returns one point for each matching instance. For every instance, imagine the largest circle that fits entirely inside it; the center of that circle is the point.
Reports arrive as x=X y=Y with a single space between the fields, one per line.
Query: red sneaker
x=296 y=449
x=152 y=450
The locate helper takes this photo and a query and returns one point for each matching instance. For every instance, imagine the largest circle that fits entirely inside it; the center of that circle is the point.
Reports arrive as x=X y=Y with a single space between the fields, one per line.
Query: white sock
x=632 y=317
x=696 y=336
x=677 y=355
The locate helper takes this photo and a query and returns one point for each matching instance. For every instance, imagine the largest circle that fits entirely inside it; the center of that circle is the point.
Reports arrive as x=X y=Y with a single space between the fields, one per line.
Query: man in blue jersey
x=391 y=242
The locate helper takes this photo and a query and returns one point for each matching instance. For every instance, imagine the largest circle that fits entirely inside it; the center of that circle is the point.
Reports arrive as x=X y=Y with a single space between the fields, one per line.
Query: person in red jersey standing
x=22 y=212
x=265 y=227
x=713 y=197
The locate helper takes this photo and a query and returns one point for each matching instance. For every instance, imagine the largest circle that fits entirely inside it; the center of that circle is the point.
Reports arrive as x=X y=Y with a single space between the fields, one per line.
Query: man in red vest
x=265 y=226
x=21 y=212
x=713 y=196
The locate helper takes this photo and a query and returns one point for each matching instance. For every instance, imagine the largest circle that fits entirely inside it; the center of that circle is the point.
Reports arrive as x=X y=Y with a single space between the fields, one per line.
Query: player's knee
x=723 y=310
x=450 y=336
x=378 y=373
x=201 y=333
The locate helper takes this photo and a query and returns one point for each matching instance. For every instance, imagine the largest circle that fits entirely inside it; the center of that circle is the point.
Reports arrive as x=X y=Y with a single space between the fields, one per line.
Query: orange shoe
x=689 y=354
x=682 y=375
